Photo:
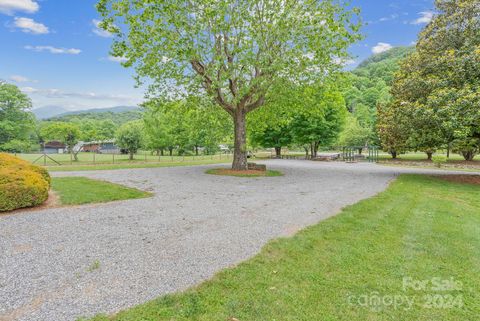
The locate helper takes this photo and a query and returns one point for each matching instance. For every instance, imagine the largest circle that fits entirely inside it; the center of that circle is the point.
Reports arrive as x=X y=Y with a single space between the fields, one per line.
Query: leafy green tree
x=64 y=132
x=16 y=120
x=319 y=118
x=234 y=51
x=272 y=137
x=130 y=136
x=19 y=146
x=95 y=130
x=441 y=80
x=206 y=127
x=355 y=134
x=392 y=130
x=157 y=132
x=184 y=124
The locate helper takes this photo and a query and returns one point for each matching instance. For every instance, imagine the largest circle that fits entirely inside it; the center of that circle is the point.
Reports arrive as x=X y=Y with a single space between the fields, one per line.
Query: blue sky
x=54 y=52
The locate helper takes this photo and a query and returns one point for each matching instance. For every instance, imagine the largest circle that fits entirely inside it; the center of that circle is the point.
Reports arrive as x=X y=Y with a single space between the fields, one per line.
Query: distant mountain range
x=58 y=111
x=48 y=111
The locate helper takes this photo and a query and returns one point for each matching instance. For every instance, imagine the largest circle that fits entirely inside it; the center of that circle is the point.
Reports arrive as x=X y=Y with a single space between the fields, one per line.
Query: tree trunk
x=306 y=152
x=469 y=156
x=130 y=157
x=170 y=150
x=278 y=152
x=196 y=150
x=360 y=151
x=240 y=146
x=314 y=147
x=394 y=154
x=75 y=155
x=161 y=152
x=429 y=156
x=448 y=151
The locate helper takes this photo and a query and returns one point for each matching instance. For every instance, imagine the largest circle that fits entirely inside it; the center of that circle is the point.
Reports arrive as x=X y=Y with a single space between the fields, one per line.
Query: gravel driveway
x=60 y=264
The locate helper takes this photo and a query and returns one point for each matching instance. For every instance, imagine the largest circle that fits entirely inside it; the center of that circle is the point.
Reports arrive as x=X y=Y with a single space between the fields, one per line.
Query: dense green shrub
x=21 y=183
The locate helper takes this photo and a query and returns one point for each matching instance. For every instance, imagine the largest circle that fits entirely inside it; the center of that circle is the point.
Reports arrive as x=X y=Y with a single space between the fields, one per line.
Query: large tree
x=438 y=86
x=130 y=137
x=16 y=120
x=273 y=137
x=234 y=51
x=319 y=118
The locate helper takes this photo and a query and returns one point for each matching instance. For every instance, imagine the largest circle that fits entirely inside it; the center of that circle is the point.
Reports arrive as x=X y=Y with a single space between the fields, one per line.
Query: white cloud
x=54 y=50
x=99 y=31
x=29 y=90
x=425 y=17
x=28 y=25
x=388 y=18
x=18 y=78
x=9 y=7
x=381 y=47
x=117 y=59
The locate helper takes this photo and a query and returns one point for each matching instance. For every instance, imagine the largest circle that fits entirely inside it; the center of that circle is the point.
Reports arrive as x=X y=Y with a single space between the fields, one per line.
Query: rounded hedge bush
x=21 y=183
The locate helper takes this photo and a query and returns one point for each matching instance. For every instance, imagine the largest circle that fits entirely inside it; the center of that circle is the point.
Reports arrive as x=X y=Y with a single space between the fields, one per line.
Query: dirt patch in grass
x=463 y=179
x=246 y=173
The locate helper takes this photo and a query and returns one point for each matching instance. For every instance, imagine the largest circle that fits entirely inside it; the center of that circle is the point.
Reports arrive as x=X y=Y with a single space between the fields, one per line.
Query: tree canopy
x=437 y=90
x=130 y=137
x=234 y=51
x=16 y=120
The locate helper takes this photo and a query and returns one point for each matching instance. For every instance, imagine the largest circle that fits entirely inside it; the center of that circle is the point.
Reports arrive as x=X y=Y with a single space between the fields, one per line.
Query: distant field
x=95 y=159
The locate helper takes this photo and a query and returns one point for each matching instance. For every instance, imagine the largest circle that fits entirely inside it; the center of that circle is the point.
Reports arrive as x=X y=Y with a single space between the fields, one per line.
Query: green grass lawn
x=418 y=156
x=82 y=190
x=92 y=167
x=421 y=228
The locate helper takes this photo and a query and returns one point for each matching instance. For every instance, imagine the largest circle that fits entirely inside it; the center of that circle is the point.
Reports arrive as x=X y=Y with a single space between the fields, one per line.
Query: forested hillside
x=117 y=118
x=370 y=86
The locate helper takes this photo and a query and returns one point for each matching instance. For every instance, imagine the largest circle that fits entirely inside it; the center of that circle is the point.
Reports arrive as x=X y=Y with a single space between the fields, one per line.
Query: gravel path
x=60 y=264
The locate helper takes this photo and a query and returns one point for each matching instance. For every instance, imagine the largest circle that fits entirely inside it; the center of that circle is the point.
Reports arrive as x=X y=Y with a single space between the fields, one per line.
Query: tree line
x=407 y=99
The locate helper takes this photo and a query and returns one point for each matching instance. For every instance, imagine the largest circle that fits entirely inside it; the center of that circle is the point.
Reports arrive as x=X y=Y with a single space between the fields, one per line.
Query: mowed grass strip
x=82 y=190
x=419 y=228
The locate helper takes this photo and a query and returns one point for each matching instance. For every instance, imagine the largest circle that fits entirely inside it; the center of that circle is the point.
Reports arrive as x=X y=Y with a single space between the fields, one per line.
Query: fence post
x=113 y=158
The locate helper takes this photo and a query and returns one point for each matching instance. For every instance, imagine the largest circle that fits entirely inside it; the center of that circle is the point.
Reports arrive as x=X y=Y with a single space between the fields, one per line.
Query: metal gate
x=352 y=154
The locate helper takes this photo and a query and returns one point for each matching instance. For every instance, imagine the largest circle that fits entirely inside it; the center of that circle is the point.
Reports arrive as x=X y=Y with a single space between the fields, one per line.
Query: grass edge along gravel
x=419 y=229
x=82 y=190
